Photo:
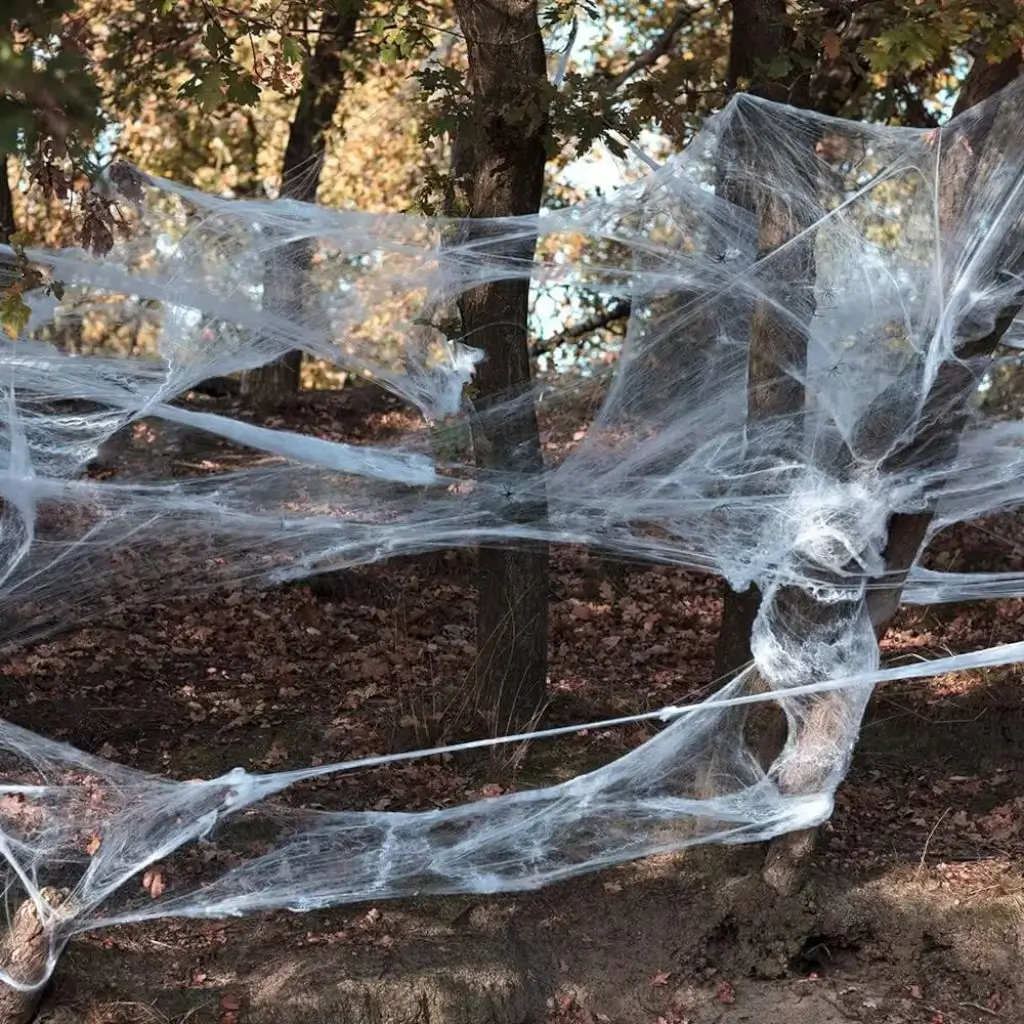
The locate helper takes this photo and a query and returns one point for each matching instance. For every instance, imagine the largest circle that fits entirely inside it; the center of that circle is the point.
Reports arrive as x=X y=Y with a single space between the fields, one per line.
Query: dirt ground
x=914 y=911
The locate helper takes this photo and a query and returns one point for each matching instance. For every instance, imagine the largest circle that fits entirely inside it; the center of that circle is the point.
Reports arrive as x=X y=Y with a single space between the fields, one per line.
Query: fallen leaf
x=915 y=992
x=230 y=1001
x=660 y=980
x=832 y=45
x=725 y=992
x=93 y=845
x=276 y=755
x=994 y=1002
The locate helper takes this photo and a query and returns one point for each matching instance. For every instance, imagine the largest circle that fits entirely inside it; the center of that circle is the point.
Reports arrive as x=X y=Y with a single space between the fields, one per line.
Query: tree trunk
x=288 y=268
x=8 y=272
x=24 y=952
x=760 y=32
x=777 y=351
x=7 y=225
x=944 y=415
x=876 y=440
x=508 y=82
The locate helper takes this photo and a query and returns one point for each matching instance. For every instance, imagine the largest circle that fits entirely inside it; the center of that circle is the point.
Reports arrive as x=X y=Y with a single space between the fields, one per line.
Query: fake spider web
x=870 y=264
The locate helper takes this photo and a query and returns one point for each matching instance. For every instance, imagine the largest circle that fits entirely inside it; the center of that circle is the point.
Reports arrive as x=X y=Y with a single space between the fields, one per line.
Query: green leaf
x=292 y=50
x=216 y=41
x=210 y=88
x=778 y=67
x=242 y=89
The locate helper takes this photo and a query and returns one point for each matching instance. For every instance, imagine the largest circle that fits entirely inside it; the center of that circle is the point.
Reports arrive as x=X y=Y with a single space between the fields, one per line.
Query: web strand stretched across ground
x=864 y=271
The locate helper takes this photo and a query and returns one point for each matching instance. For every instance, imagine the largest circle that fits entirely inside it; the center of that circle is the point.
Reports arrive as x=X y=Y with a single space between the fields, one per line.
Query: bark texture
x=878 y=440
x=23 y=954
x=504 y=153
x=8 y=273
x=759 y=28
x=760 y=32
x=7 y=225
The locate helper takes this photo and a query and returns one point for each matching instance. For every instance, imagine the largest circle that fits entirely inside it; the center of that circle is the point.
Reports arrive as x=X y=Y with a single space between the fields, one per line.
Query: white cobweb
x=875 y=257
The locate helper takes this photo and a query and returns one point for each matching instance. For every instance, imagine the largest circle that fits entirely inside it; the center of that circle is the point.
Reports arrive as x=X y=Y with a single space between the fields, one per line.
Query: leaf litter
x=378 y=660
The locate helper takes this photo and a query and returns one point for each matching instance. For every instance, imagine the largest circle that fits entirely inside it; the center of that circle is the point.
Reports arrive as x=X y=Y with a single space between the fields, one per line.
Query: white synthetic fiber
x=872 y=258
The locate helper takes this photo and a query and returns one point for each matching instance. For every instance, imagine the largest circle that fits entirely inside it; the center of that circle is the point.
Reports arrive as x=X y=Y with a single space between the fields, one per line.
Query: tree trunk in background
x=288 y=268
x=7 y=225
x=508 y=81
x=8 y=273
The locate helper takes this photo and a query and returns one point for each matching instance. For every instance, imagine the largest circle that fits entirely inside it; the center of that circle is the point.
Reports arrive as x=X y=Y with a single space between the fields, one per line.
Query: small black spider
x=510 y=492
x=835 y=370
x=721 y=257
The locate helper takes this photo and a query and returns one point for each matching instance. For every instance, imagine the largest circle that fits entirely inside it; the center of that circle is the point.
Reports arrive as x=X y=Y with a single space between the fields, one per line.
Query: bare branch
x=579 y=332
x=846 y=7
x=683 y=16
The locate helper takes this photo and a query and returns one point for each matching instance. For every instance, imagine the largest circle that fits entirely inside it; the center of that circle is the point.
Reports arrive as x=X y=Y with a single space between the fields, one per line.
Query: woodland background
x=472 y=110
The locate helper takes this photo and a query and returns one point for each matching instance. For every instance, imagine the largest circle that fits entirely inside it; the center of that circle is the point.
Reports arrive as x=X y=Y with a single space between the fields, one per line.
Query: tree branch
x=846 y=7
x=579 y=332
x=985 y=79
x=683 y=16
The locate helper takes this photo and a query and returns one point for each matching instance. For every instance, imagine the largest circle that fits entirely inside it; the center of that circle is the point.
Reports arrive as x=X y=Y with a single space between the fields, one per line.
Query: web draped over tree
x=813 y=305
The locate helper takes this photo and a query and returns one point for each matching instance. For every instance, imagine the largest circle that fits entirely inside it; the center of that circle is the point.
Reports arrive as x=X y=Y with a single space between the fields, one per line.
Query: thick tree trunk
x=935 y=444
x=759 y=31
x=942 y=419
x=288 y=268
x=507 y=134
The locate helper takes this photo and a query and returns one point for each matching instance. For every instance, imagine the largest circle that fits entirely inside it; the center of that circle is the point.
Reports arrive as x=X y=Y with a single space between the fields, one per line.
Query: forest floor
x=914 y=911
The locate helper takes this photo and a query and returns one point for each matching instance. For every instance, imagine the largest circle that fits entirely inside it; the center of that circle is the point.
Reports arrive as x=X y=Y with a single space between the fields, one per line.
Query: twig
x=927 y=843
x=946 y=1015
x=619 y=311
x=983 y=1009
x=683 y=16
x=845 y=6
